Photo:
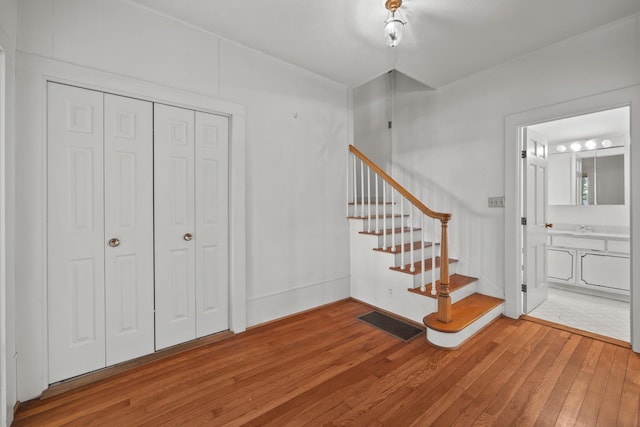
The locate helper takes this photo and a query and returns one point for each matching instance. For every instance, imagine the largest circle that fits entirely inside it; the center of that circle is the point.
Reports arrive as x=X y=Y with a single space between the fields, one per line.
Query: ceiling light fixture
x=576 y=146
x=606 y=143
x=591 y=144
x=561 y=148
x=394 y=23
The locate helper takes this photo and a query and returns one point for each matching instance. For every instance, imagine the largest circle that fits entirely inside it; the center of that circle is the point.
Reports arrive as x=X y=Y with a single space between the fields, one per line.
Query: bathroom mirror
x=600 y=177
x=587 y=158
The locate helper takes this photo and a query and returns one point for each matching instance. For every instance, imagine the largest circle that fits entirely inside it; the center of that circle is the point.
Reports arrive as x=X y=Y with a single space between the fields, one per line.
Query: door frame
x=629 y=96
x=33 y=365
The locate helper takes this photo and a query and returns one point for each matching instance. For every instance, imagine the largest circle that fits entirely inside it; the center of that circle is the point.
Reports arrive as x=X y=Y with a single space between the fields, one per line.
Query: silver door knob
x=114 y=242
x=188 y=237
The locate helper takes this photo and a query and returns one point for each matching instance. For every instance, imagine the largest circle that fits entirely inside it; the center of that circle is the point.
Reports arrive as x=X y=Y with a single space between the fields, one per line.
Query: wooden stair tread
x=463 y=313
x=418 y=266
x=387 y=231
x=456 y=281
x=406 y=248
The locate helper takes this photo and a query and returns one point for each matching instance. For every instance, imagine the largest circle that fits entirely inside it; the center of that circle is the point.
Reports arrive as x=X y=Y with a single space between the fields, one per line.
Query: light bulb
x=561 y=148
x=576 y=146
x=606 y=143
x=393 y=30
x=590 y=144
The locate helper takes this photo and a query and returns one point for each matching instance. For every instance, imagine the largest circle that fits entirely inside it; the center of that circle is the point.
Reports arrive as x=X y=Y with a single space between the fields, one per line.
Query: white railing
x=413 y=216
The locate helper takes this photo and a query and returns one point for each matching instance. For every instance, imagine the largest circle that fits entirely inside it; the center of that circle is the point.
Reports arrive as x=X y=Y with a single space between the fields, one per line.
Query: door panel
x=75 y=232
x=128 y=218
x=535 y=207
x=174 y=200
x=212 y=243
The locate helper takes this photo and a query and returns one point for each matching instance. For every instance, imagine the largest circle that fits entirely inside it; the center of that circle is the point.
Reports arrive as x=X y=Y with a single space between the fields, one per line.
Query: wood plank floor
x=324 y=367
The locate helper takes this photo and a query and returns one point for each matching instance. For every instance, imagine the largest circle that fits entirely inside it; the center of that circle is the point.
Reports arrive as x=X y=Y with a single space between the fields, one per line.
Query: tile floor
x=589 y=313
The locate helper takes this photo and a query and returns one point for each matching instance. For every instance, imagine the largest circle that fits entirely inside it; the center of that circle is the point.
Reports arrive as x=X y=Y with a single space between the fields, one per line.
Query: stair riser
x=396 y=259
x=398 y=238
x=382 y=209
x=417 y=279
x=381 y=223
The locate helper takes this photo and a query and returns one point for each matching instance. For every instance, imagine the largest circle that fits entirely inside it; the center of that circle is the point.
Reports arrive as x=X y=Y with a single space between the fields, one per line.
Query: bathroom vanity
x=584 y=260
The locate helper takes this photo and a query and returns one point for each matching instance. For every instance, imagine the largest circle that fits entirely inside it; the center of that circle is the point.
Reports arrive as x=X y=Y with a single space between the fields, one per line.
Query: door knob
x=188 y=237
x=114 y=242
x=548 y=226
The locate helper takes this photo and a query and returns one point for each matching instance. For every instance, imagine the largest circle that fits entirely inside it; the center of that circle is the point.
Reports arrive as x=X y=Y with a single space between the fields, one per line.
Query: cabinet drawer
x=578 y=243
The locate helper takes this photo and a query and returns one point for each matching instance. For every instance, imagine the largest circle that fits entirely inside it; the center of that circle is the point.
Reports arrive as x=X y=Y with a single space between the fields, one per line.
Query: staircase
x=399 y=249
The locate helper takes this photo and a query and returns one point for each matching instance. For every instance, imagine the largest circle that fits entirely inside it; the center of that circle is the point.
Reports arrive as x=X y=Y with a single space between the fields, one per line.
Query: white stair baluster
x=433 y=258
x=361 y=188
x=424 y=261
x=384 y=212
x=369 y=197
x=412 y=268
x=377 y=205
x=393 y=229
x=402 y=261
x=355 y=186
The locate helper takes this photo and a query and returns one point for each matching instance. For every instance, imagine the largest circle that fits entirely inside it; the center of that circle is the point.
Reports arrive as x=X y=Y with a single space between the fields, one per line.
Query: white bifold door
x=100 y=230
x=191 y=217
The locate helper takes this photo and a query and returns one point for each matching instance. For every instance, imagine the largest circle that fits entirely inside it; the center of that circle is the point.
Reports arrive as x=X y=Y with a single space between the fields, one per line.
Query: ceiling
x=586 y=126
x=444 y=40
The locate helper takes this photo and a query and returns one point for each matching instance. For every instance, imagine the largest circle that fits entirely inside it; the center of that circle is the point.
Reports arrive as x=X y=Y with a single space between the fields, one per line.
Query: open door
x=535 y=198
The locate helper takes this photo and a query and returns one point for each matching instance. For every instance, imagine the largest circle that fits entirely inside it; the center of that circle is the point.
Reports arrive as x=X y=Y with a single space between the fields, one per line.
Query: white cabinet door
x=76 y=246
x=175 y=238
x=607 y=270
x=212 y=145
x=128 y=152
x=561 y=264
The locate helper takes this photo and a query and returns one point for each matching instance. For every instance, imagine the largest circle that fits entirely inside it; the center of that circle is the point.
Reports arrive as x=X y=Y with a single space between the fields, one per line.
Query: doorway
x=585 y=272
x=514 y=123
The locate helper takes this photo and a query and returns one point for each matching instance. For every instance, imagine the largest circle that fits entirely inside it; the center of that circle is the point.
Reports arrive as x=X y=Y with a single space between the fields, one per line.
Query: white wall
x=451 y=143
x=296 y=141
x=8 y=35
x=372 y=103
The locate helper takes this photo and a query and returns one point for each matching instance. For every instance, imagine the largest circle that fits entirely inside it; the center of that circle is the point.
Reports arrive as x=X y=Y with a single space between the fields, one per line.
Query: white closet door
x=75 y=232
x=212 y=145
x=175 y=236
x=128 y=152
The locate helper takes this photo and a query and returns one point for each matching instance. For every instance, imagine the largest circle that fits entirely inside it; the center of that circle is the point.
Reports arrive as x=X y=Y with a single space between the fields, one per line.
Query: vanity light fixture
x=576 y=146
x=561 y=148
x=591 y=144
x=394 y=24
x=606 y=143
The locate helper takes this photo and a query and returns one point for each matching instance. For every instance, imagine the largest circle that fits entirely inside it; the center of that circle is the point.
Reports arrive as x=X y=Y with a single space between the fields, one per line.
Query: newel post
x=444 y=300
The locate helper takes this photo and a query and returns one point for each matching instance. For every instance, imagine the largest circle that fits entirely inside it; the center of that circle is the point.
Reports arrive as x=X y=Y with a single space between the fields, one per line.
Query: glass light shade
x=561 y=148
x=576 y=146
x=607 y=143
x=393 y=30
x=590 y=144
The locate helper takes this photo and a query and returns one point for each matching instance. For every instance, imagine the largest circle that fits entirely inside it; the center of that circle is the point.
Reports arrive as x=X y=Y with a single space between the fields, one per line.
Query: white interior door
x=75 y=232
x=212 y=199
x=175 y=238
x=535 y=208
x=128 y=152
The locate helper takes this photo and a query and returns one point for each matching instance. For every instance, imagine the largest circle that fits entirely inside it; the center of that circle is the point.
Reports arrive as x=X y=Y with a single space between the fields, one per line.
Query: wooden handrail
x=445 y=217
x=444 y=300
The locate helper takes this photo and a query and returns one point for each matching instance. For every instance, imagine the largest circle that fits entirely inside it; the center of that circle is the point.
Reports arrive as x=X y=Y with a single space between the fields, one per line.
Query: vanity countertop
x=589 y=234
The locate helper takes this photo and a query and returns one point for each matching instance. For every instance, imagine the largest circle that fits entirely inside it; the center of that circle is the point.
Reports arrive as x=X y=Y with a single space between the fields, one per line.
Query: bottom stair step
x=456 y=281
x=468 y=316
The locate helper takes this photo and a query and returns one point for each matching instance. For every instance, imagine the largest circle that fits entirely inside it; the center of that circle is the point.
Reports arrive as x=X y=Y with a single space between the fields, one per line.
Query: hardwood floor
x=324 y=367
